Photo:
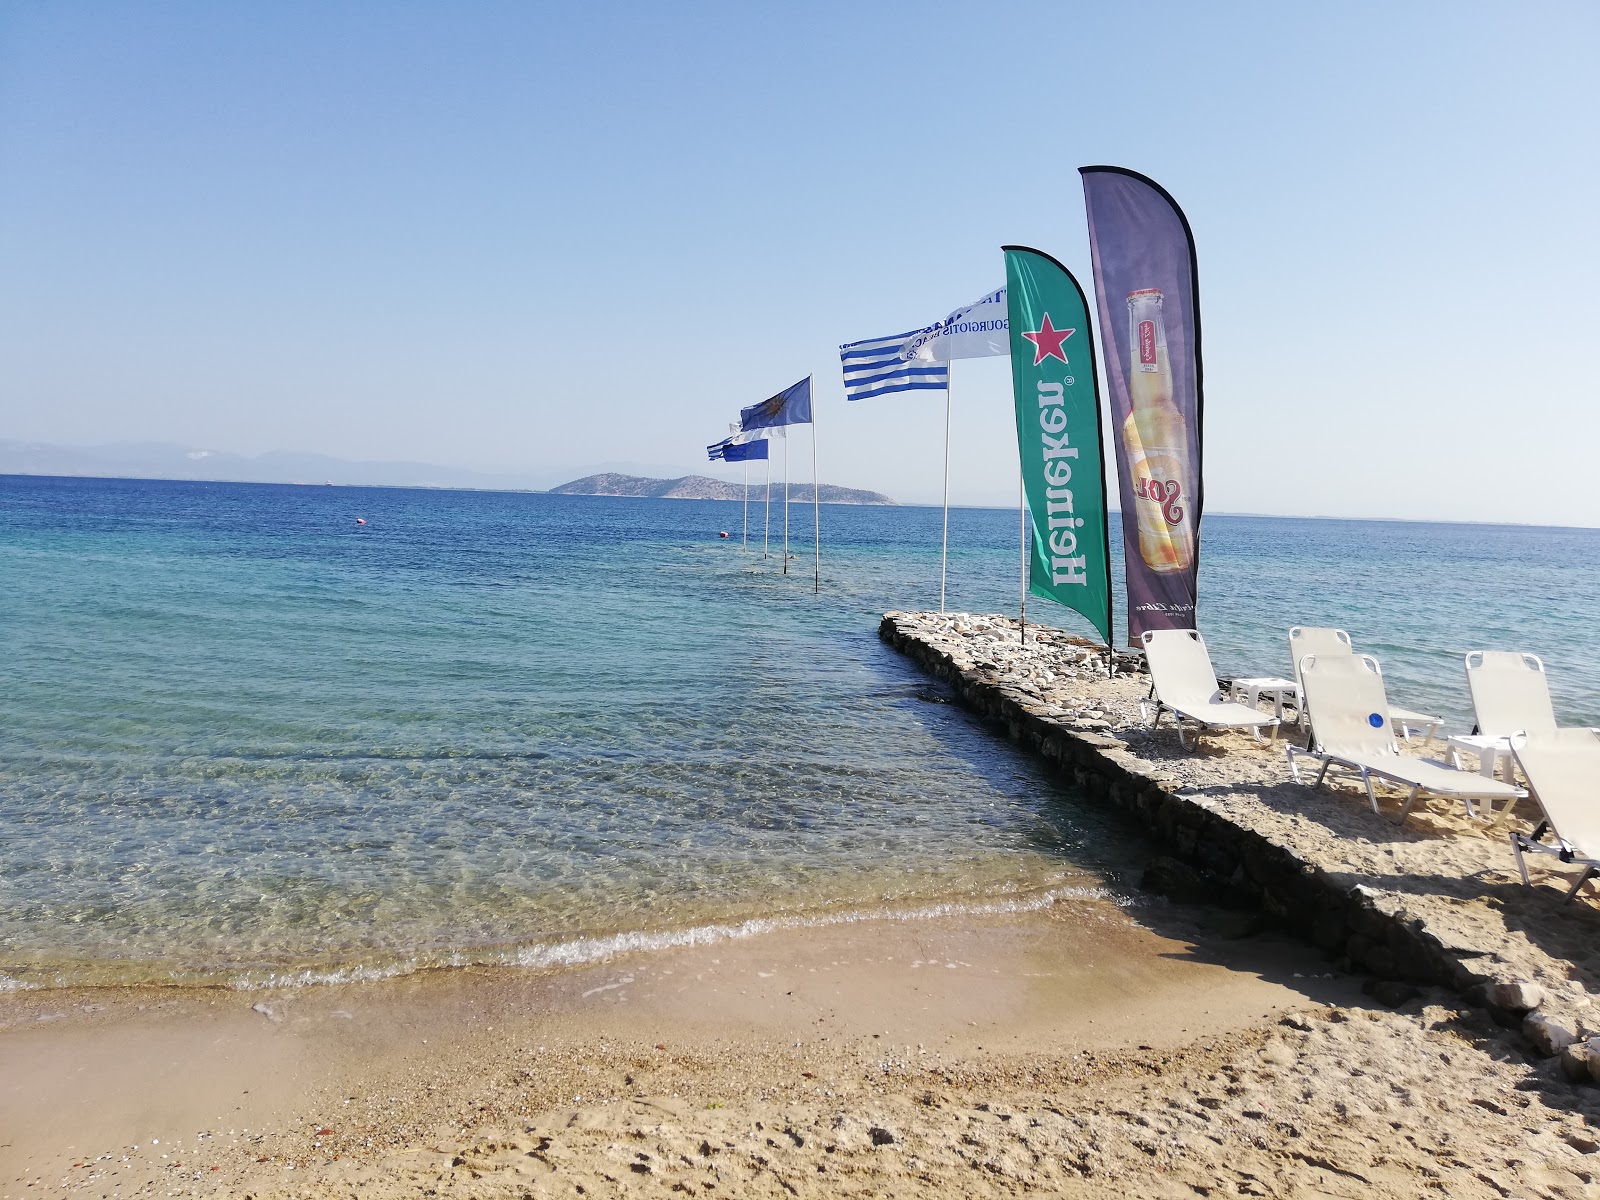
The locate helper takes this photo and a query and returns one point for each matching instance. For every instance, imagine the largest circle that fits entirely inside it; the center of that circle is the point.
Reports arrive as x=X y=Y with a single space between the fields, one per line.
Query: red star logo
x=1047 y=341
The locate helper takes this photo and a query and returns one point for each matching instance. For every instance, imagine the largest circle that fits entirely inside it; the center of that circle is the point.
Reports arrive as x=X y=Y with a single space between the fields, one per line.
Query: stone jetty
x=1434 y=902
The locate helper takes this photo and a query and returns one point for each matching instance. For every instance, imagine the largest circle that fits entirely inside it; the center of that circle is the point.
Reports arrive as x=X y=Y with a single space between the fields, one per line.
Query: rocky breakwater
x=1435 y=902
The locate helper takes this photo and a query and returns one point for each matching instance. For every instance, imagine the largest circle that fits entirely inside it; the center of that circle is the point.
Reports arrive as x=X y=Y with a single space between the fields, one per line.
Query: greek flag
x=876 y=367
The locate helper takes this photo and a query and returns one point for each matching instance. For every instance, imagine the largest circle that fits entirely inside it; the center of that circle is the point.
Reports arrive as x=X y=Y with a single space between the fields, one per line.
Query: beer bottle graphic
x=1156 y=438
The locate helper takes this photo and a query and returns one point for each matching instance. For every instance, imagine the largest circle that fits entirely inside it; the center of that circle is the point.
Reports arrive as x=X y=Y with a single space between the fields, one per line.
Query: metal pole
x=816 y=498
x=944 y=544
x=747 y=504
x=766 y=533
x=1022 y=620
x=786 y=505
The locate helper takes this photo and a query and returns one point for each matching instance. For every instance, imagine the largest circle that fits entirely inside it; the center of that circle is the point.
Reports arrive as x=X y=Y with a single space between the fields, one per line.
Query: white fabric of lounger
x=1185 y=685
x=1563 y=766
x=1349 y=725
x=1325 y=640
x=1510 y=694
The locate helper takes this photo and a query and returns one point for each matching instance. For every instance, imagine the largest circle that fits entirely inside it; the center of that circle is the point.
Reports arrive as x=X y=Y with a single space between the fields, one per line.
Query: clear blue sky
x=520 y=236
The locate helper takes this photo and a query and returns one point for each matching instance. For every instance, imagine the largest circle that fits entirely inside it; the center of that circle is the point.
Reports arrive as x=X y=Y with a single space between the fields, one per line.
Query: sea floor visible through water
x=251 y=742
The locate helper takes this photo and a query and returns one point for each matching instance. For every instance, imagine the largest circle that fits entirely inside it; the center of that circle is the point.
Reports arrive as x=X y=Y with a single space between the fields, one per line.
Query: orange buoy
x=361 y=520
x=723 y=533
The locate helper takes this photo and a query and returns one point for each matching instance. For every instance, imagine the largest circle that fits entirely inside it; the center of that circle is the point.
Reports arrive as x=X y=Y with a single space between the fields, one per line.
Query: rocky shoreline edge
x=1437 y=907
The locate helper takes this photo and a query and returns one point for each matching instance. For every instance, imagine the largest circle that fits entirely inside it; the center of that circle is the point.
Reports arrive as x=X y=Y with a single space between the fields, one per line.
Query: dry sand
x=1079 y=1050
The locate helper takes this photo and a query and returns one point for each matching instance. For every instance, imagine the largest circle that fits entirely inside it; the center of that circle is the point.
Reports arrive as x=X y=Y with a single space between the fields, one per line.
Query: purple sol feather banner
x=1144 y=282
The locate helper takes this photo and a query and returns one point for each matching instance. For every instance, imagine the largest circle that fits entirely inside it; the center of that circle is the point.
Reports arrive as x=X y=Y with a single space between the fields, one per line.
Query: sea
x=261 y=736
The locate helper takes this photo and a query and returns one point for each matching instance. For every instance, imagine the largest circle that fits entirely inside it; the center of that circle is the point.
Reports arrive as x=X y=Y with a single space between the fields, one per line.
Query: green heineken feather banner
x=1058 y=435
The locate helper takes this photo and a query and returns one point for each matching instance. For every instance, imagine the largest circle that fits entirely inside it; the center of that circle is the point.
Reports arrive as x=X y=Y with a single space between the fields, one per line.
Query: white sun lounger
x=1185 y=684
x=1563 y=768
x=1510 y=695
x=1349 y=725
x=1324 y=640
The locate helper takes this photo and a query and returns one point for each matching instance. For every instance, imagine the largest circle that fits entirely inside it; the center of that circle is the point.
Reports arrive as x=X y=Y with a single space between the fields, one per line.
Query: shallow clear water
x=244 y=739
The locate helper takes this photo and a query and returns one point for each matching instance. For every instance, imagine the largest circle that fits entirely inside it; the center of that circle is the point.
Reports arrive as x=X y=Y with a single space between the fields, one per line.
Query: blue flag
x=746 y=452
x=729 y=450
x=792 y=406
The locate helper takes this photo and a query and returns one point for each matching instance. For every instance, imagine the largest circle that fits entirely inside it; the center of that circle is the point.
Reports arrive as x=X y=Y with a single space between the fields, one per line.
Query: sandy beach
x=1080 y=1050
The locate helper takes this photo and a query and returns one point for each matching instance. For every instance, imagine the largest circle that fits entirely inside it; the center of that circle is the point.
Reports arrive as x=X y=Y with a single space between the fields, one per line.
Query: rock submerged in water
x=1176 y=881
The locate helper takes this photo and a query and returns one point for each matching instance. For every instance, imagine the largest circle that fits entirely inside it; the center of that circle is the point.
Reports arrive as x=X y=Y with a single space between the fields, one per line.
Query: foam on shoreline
x=585 y=951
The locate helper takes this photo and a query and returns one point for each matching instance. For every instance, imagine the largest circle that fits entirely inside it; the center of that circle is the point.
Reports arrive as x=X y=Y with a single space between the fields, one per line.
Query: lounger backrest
x=1510 y=693
x=1179 y=666
x=1346 y=702
x=1315 y=639
x=1563 y=770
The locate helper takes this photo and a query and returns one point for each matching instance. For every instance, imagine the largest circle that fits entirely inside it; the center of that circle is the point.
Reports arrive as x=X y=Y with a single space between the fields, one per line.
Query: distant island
x=699 y=487
x=167 y=460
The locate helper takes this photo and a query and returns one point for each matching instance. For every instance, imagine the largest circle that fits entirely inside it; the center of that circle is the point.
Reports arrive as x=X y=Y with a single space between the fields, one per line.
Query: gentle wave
x=585 y=951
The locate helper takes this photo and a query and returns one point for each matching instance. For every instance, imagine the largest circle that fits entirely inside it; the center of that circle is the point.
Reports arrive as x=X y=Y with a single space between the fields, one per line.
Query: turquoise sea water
x=245 y=740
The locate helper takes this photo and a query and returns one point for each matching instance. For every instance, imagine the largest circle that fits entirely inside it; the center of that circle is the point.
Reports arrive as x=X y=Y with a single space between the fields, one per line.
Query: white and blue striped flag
x=877 y=367
x=916 y=360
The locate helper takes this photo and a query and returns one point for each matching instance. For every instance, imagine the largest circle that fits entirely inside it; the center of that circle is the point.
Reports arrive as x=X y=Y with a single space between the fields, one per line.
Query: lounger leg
x=1323 y=774
x=1177 y=719
x=1294 y=767
x=1582 y=879
x=1366 y=778
x=1405 y=808
x=1522 y=866
x=1500 y=817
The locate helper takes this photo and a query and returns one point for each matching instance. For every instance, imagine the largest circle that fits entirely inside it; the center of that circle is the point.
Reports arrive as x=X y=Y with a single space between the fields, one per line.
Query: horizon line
x=530 y=491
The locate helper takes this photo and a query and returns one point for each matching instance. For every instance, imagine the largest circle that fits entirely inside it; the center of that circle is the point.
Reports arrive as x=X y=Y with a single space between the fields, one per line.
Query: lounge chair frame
x=1525 y=843
x=1370 y=761
x=1214 y=712
x=1565 y=793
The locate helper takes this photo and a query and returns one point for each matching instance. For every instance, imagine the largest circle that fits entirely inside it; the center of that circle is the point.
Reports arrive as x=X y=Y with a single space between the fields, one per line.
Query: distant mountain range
x=699 y=487
x=167 y=460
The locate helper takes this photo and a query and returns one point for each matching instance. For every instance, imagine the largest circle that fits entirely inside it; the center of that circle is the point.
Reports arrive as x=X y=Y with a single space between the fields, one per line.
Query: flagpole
x=747 y=504
x=786 y=504
x=1022 y=620
x=766 y=532
x=944 y=544
x=816 y=492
